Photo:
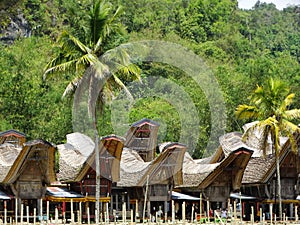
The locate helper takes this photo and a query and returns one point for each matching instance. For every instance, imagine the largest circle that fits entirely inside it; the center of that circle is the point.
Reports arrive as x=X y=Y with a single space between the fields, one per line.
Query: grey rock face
x=17 y=28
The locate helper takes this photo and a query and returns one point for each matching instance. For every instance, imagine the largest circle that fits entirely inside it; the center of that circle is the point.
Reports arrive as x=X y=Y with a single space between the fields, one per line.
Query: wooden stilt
x=41 y=211
x=72 y=212
x=252 y=215
x=47 y=212
x=192 y=215
x=271 y=214
x=88 y=215
x=34 y=216
x=5 y=213
x=80 y=213
x=56 y=216
x=173 y=212
x=27 y=214
x=16 y=210
x=96 y=217
x=183 y=213
x=200 y=208
x=21 y=214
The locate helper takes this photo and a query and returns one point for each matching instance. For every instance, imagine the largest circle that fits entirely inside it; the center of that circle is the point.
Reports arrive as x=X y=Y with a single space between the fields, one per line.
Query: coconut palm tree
x=80 y=52
x=76 y=53
x=270 y=105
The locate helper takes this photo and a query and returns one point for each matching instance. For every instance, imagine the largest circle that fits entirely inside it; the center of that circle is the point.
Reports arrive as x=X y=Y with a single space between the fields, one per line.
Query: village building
x=138 y=174
x=27 y=168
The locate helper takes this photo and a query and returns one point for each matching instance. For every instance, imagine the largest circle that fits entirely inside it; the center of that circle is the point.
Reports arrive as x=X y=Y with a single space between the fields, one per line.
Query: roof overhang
x=241 y=196
x=180 y=196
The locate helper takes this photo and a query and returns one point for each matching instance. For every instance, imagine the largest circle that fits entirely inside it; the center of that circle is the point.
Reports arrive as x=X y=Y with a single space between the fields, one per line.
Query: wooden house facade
x=263 y=185
x=131 y=173
x=26 y=173
x=13 y=137
x=152 y=182
x=215 y=178
x=142 y=137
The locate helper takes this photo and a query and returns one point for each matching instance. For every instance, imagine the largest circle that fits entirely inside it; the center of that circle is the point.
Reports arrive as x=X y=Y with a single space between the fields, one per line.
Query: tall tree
x=270 y=104
x=81 y=51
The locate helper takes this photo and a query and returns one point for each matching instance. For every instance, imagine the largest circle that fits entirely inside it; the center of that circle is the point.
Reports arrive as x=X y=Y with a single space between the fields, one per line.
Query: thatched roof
x=132 y=168
x=8 y=155
x=81 y=142
x=200 y=175
x=134 y=171
x=194 y=173
x=73 y=154
x=12 y=132
x=71 y=161
x=30 y=152
x=228 y=143
x=266 y=165
x=256 y=169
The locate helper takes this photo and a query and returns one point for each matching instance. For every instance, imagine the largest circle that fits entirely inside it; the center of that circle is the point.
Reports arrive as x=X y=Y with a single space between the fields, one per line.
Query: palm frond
x=99 y=16
x=131 y=69
x=72 y=86
x=86 y=60
x=79 y=44
x=246 y=112
x=66 y=66
x=122 y=85
x=289 y=127
x=98 y=45
x=292 y=114
x=287 y=102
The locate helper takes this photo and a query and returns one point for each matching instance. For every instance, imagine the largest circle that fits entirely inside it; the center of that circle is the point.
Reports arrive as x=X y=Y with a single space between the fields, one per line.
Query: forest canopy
x=242 y=48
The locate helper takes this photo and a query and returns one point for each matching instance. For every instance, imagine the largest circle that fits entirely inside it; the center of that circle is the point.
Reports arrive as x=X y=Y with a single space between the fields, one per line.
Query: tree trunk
x=278 y=186
x=97 y=159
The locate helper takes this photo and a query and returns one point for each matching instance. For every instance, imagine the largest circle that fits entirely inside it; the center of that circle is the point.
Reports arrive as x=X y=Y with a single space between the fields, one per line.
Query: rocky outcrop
x=18 y=27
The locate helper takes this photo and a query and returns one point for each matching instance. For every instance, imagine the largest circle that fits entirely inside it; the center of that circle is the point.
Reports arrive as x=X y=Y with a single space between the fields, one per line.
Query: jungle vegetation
x=243 y=48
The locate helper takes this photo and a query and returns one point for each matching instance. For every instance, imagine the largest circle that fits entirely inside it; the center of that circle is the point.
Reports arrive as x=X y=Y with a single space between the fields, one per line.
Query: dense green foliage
x=242 y=47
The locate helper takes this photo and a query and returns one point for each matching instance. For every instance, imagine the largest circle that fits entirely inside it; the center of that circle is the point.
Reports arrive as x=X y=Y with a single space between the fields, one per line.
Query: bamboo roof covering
x=81 y=142
x=73 y=155
x=132 y=168
x=8 y=155
x=134 y=171
x=30 y=152
x=236 y=163
x=228 y=143
x=261 y=164
x=11 y=132
x=200 y=175
x=194 y=173
x=266 y=165
x=70 y=162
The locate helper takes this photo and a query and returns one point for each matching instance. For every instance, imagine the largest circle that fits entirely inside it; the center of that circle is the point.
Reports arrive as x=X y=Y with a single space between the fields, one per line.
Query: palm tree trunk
x=278 y=186
x=97 y=159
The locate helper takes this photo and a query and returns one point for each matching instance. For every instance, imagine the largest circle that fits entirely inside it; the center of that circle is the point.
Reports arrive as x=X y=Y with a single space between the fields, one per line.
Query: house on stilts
x=139 y=174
